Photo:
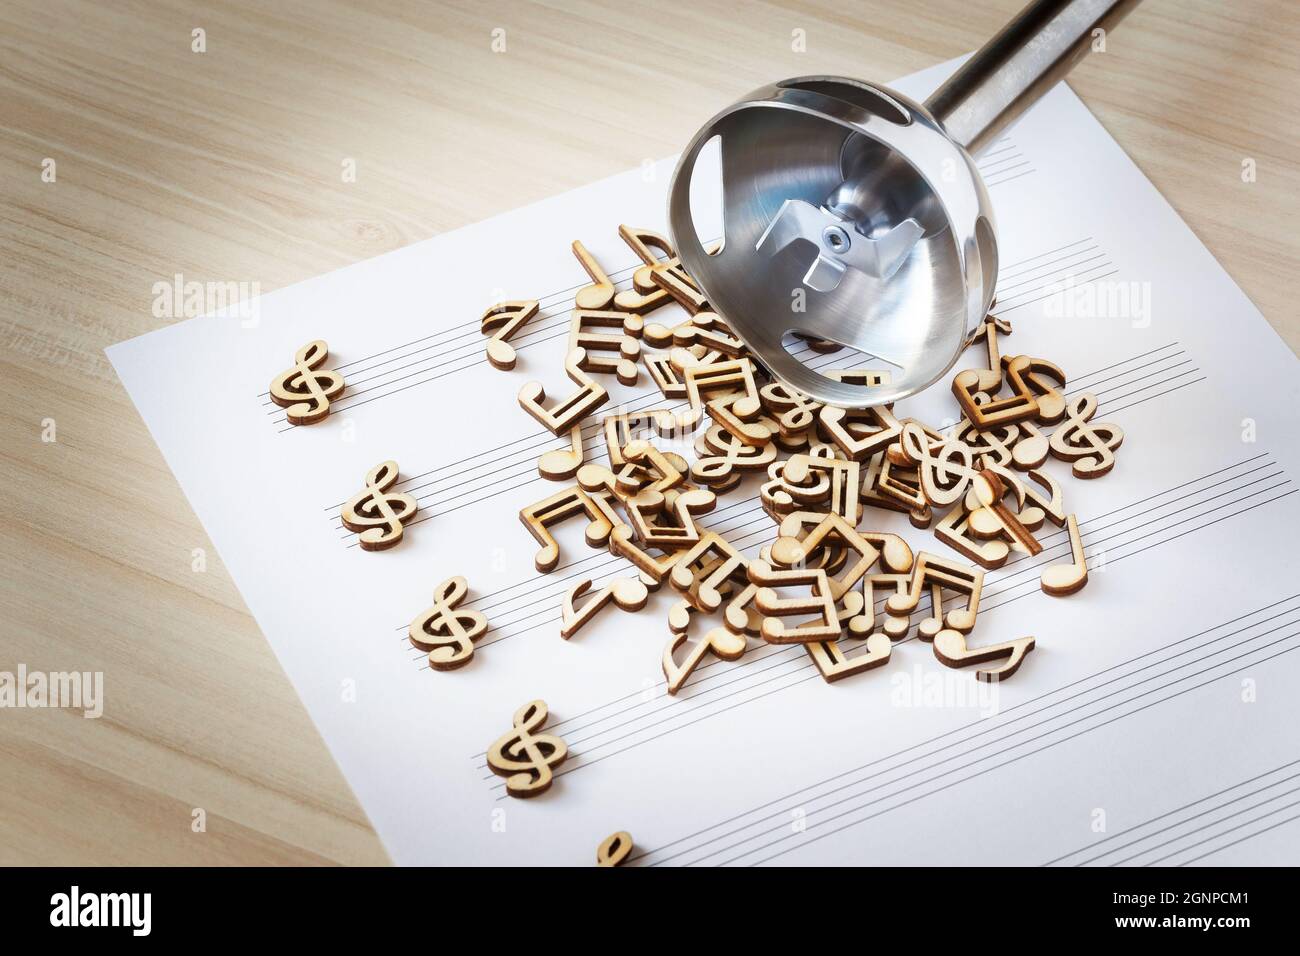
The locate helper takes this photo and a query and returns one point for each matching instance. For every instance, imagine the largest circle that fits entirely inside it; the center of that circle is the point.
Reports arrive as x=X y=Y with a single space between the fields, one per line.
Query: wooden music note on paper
x=376 y=514
x=1038 y=376
x=446 y=633
x=951 y=649
x=1061 y=579
x=931 y=569
x=598 y=295
x=561 y=464
x=720 y=642
x=568 y=411
x=645 y=296
x=1018 y=406
x=625 y=343
x=990 y=379
x=614 y=849
x=944 y=465
x=833 y=664
x=954 y=530
x=502 y=321
x=702 y=582
x=789 y=551
x=630 y=594
x=539 y=517
x=523 y=756
x=773 y=607
x=893 y=626
x=860 y=432
x=653 y=570
x=306 y=390
x=1089 y=446
x=1031 y=447
x=988 y=489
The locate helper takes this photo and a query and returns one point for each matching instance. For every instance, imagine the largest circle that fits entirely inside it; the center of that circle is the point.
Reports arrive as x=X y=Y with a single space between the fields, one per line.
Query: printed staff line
x=754 y=510
x=1062 y=533
x=1002 y=734
x=986 y=162
x=473 y=325
x=809 y=664
x=509 y=478
x=993 y=176
x=1215 y=836
x=1003 y=182
x=597 y=441
x=687 y=711
x=1211 y=823
x=1026 y=278
x=1065 y=258
x=1165 y=381
x=547 y=440
x=1048 y=295
x=1016 y=265
x=471 y=353
x=474 y=348
x=1163 y=358
x=1078 y=277
x=1186 y=806
x=1046 y=558
x=802 y=794
x=1112 y=560
x=1249 y=836
x=912 y=800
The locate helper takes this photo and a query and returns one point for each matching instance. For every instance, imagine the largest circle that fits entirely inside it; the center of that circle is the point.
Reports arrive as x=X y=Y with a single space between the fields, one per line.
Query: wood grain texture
x=226 y=166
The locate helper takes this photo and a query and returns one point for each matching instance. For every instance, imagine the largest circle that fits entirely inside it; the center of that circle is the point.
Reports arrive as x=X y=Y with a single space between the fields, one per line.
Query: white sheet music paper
x=1153 y=723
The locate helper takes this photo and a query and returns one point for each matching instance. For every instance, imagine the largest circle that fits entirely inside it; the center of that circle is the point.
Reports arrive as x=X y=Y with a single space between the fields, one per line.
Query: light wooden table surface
x=226 y=165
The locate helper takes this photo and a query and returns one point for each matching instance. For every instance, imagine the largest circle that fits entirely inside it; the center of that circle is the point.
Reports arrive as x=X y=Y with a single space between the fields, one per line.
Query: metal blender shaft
x=1026 y=59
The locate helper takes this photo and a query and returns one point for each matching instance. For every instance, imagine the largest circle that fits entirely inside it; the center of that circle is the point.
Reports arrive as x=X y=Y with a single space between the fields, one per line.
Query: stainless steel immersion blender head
x=854 y=214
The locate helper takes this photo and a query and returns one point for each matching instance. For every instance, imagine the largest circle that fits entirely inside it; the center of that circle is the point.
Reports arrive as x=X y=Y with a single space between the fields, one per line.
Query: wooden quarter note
x=1061 y=579
x=600 y=294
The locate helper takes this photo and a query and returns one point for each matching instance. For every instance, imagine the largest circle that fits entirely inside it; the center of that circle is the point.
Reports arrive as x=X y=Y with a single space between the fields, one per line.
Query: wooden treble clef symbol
x=446 y=633
x=305 y=391
x=375 y=513
x=945 y=465
x=1089 y=446
x=525 y=757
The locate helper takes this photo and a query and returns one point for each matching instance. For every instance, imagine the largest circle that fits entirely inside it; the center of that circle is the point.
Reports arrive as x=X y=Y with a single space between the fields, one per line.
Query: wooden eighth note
x=1062 y=579
x=990 y=379
x=306 y=390
x=833 y=664
x=630 y=594
x=376 y=514
x=525 y=757
x=614 y=849
x=502 y=321
x=722 y=642
x=567 y=412
x=561 y=464
x=446 y=633
x=1018 y=406
x=931 y=569
x=539 y=517
x=1089 y=446
x=950 y=648
x=598 y=295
